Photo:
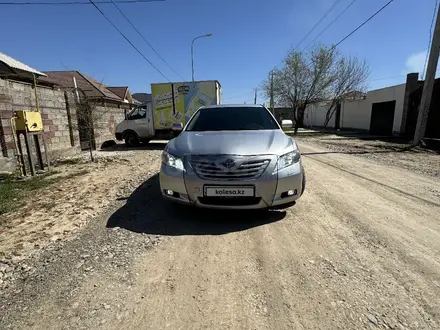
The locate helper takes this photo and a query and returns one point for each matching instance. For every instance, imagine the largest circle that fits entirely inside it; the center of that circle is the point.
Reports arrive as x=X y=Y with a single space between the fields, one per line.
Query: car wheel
x=131 y=140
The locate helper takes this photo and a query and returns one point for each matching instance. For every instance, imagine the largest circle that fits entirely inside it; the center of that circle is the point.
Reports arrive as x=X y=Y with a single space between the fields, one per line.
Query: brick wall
x=106 y=120
x=16 y=95
x=62 y=136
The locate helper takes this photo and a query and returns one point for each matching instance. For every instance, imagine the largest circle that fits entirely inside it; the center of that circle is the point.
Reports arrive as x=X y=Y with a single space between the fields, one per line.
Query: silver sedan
x=232 y=157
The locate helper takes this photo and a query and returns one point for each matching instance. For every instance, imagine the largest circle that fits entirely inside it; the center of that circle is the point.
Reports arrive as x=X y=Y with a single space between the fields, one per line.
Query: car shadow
x=146 y=146
x=145 y=211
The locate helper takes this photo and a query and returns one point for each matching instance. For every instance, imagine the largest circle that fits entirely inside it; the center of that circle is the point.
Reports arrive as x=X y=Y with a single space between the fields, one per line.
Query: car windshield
x=232 y=119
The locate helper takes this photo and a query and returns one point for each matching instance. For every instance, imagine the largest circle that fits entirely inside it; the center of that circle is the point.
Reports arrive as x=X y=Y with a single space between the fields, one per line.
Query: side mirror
x=286 y=123
x=177 y=127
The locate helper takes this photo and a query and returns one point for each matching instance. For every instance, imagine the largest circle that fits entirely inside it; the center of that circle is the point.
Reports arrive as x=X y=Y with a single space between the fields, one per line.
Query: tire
x=131 y=139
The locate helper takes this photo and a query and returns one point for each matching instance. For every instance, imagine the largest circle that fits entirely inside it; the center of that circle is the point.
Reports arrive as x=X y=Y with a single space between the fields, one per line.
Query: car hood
x=232 y=143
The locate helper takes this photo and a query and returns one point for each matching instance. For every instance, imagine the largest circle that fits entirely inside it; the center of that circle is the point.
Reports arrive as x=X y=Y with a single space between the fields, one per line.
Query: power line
x=398 y=76
x=62 y=3
x=328 y=26
x=143 y=38
x=323 y=17
x=355 y=30
x=430 y=38
x=128 y=40
x=319 y=22
x=365 y=22
x=352 y=32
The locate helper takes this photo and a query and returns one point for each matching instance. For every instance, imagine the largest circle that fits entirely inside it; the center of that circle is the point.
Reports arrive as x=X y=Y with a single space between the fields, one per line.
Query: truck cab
x=137 y=127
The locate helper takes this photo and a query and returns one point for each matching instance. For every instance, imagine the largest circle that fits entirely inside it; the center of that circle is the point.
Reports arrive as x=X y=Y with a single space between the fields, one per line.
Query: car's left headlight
x=288 y=159
x=173 y=161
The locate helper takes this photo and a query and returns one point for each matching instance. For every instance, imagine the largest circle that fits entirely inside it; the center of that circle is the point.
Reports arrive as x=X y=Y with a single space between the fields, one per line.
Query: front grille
x=230 y=201
x=213 y=170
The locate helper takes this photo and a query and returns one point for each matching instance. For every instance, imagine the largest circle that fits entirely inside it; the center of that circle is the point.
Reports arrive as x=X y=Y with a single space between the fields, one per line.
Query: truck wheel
x=131 y=140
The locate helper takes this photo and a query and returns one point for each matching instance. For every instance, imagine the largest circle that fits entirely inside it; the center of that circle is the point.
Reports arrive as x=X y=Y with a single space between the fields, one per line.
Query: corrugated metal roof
x=14 y=64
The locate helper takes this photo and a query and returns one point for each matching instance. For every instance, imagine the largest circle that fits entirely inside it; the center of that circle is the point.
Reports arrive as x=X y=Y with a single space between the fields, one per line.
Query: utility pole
x=271 y=93
x=255 y=97
x=428 y=86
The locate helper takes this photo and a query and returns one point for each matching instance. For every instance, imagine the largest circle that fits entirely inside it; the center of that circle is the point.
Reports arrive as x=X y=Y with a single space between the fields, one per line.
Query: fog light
x=289 y=193
x=171 y=193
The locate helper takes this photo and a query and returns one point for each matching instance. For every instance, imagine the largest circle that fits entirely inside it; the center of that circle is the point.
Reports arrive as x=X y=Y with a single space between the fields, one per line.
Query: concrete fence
x=59 y=119
x=357 y=114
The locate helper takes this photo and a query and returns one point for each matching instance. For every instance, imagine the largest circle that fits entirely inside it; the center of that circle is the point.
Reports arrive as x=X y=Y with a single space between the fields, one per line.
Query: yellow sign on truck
x=188 y=97
x=173 y=105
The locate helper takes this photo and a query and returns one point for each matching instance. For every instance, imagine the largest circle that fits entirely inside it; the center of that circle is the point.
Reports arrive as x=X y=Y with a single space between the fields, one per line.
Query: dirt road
x=361 y=249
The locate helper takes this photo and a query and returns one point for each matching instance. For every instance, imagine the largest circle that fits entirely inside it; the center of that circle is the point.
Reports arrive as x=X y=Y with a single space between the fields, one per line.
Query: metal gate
x=382 y=118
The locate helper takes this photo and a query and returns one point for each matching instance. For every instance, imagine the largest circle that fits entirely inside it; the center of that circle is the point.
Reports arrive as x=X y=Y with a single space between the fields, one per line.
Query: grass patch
x=69 y=161
x=15 y=193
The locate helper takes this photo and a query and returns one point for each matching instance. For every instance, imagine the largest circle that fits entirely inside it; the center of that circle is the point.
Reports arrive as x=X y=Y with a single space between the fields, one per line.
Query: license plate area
x=229 y=191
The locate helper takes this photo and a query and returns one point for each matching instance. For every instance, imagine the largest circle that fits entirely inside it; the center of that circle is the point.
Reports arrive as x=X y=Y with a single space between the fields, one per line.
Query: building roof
x=119 y=91
x=16 y=67
x=143 y=97
x=91 y=87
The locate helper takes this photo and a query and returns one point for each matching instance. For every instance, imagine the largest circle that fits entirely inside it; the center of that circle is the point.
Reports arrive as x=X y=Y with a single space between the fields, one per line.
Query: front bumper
x=270 y=189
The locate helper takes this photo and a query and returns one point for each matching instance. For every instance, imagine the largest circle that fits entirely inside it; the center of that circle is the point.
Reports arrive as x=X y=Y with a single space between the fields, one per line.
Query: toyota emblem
x=228 y=163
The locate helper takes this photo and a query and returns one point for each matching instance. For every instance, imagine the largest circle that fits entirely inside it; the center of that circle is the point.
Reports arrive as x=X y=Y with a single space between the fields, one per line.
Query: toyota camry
x=232 y=157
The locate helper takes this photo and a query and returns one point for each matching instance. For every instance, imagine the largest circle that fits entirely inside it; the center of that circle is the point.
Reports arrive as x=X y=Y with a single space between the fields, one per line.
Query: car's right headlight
x=288 y=159
x=173 y=161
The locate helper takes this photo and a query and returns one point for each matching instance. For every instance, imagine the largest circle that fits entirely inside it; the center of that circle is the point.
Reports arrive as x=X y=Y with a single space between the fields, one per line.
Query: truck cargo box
x=176 y=102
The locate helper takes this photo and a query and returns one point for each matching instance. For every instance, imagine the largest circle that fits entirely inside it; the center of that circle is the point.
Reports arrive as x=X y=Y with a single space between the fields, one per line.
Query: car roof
x=233 y=106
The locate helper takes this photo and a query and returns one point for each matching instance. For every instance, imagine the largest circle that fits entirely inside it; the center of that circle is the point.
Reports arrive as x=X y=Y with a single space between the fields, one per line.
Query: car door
x=143 y=123
x=150 y=119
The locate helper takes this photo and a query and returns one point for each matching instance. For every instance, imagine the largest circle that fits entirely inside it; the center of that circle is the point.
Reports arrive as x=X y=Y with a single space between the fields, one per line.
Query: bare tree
x=86 y=119
x=320 y=74
x=351 y=76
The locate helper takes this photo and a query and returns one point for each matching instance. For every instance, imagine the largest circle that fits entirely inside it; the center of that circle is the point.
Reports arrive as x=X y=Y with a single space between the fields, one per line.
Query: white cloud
x=415 y=62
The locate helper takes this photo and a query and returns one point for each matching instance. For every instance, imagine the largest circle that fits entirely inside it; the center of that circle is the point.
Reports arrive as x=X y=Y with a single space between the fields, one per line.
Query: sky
x=250 y=37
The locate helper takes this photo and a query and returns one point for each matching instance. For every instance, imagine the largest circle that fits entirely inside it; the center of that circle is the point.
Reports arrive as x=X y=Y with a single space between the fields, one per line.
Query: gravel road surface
x=360 y=250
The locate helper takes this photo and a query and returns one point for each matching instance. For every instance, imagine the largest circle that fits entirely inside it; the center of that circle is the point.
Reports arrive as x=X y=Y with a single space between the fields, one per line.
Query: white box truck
x=173 y=105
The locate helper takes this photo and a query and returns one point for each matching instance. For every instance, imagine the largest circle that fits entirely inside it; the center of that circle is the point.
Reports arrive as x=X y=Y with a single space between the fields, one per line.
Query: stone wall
x=107 y=118
x=59 y=119
x=15 y=95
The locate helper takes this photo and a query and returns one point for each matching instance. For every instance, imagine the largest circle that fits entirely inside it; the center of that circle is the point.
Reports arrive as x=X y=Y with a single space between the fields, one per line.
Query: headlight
x=288 y=159
x=172 y=161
